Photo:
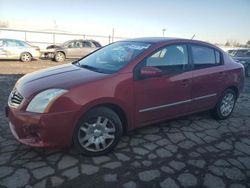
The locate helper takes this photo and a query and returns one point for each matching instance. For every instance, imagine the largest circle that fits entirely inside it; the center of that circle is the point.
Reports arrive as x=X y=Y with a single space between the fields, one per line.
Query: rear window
x=97 y=44
x=205 y=56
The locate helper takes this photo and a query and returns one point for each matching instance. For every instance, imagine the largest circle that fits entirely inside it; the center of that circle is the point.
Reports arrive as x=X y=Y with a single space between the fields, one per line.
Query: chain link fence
x=45 y=38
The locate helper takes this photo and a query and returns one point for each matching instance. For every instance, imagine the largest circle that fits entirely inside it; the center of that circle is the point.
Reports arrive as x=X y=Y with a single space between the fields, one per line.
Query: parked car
x=120 y=87
x=71 y=49
x=242 y=56
x=19 y=50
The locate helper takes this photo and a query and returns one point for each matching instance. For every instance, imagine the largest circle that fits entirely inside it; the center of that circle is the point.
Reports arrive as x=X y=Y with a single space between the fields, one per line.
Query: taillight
x=37 y=49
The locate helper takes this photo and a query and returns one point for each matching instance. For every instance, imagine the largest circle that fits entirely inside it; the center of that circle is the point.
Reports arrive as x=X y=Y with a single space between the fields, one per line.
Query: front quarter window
x=114 y=57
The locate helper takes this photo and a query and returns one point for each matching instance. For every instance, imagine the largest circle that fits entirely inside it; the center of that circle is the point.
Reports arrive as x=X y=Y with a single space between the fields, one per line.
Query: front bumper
x=42 y=130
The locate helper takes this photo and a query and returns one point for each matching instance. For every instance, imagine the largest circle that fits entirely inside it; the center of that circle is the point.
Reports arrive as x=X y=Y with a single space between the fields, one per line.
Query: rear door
x=167 y=95
x=88 y=47
x=208 y=76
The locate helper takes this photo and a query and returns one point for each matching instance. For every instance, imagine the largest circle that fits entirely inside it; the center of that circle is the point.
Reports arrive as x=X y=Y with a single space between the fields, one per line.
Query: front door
x=167 y=95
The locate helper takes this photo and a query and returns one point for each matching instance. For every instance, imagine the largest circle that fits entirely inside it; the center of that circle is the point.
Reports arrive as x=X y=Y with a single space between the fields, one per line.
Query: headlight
x=43 y=100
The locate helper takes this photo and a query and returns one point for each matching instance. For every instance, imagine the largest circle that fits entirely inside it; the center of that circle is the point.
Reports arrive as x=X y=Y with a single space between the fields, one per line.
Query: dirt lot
x=193 y=151
x=18 y=67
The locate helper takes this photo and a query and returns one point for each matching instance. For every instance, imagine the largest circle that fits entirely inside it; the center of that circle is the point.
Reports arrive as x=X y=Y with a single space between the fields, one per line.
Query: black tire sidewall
x=104 y=112
x=217 y=111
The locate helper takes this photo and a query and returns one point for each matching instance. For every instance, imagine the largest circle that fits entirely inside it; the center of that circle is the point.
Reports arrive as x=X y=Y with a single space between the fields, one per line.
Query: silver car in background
x=19 y=50
x=71 y=49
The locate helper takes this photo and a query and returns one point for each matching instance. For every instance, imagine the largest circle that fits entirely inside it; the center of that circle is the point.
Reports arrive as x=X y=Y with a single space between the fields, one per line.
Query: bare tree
x=227 y=43
x=248 y=43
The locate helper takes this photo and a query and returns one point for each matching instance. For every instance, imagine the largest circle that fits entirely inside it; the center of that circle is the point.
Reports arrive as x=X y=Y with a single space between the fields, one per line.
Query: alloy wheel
x=96 y=134
x=227 y=104
x=26 y=57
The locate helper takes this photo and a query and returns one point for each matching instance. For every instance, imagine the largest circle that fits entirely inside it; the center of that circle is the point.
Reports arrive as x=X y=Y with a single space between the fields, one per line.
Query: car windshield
x=114 y=57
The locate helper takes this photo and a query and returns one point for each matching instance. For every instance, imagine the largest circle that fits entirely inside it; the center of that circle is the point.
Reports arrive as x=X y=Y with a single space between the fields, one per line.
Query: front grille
x=15 y=98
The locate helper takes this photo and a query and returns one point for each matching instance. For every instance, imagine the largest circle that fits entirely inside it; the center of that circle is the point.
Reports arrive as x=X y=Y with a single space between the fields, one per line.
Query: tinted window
x=78 y=44
x=170 y=59
x=97 y=44
x=71 y=45
x=217 y=57
x=86 y=44
x=205 y=56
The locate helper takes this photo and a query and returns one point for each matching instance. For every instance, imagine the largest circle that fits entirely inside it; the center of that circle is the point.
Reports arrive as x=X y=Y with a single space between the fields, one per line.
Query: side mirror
x=150 y=72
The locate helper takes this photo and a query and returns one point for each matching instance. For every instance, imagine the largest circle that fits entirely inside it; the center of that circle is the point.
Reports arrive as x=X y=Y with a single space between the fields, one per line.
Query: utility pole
x=163 y=32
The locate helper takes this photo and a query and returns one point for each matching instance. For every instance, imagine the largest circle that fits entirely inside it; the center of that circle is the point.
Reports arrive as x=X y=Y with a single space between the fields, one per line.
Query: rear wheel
x=59 y=57
x=25 y=57
x=97 y=132
x=225 y=105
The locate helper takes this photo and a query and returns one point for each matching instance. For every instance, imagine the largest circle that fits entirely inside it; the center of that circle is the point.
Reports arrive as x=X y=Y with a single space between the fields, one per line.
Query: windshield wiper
x=76 y=62
x=92 y=68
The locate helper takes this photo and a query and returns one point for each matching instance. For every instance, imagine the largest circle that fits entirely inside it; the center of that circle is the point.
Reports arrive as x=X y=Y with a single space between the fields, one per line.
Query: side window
x=78 y=44
x=171 y=59
x=11 y=43
x=71 y=45
x=97 y=44
x=86 y=44
x=2 y=43
x=217 y=57
x=205 y=57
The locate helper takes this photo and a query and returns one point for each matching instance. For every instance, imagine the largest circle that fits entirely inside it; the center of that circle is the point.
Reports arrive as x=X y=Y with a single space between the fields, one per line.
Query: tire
x=59 y=57
x=247 y=70
x=25 y=57
x=97 y=132
x=225 y=105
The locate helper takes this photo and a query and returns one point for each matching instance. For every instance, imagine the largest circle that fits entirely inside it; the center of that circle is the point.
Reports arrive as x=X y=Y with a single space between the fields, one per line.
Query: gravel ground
x=18 y=67
x=193 y=151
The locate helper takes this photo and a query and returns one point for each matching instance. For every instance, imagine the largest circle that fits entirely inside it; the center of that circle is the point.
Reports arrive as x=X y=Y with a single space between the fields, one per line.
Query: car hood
x=64 y=76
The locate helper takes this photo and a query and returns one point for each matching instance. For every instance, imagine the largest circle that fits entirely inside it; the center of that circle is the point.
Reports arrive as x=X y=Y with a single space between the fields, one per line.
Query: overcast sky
x=210 y=20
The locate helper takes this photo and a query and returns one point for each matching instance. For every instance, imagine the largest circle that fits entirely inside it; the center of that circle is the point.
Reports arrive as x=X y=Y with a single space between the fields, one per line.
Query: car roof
x=155 y=40
x=165 y=39
x=152 y=39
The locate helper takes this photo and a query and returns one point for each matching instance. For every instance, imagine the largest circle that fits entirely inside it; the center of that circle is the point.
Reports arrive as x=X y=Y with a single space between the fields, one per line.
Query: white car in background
x=17 y=49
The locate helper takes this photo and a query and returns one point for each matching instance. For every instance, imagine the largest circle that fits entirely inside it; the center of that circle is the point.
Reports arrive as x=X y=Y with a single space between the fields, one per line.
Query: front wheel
x=97 y=132
x=225 y=105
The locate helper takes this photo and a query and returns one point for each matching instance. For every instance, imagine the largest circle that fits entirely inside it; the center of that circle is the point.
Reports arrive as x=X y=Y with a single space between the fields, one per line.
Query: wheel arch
x=117 y=109
x=62 y=51
x=235 y=89
x=27 y=53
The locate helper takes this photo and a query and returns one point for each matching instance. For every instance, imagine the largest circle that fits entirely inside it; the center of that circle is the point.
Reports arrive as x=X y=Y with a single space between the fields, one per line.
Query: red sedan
x=122 y=86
